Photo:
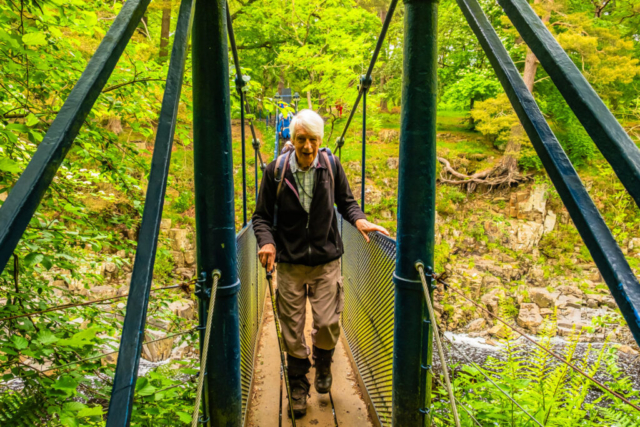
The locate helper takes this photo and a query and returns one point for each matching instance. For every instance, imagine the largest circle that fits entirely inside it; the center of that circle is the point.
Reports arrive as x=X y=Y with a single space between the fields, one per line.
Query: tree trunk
x=164 y=31
x=384 y=106
x=472 y=123
x=281 y=81
x=509 y=161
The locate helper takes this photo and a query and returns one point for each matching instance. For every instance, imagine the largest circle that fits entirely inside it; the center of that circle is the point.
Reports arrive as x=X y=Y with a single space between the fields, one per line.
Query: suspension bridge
x=388 y=322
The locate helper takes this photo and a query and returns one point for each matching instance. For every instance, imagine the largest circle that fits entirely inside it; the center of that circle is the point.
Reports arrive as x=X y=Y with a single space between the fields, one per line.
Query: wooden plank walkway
x=264 y=407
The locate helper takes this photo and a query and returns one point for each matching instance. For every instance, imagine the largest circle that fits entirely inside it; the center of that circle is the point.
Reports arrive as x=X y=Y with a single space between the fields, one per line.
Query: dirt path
x=265 y=395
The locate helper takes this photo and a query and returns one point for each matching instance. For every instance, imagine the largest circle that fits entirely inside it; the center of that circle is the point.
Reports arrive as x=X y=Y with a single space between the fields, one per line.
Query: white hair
x=310 y=121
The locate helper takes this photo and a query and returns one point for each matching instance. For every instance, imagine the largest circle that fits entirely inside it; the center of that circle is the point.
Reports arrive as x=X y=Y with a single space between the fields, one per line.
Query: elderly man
x=296 y=226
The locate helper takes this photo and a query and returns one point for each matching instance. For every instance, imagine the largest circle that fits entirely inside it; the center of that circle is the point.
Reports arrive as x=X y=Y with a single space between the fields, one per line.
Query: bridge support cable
x=607 y=133
x=240 y=83
x=97 y=301
x=244 y=107
x=100 y=356
x=365 y=84
x=546 y=350
x=24 y=198
x=215 y=214
x=488 y=378
x=436 y=335
x=596 y=235
x=412 y=344
x=205 y=349
x=121 y=403
x=367 y=76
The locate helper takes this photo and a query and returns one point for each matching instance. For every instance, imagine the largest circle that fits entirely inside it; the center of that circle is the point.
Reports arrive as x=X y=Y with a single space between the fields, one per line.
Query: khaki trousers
x=322 y=284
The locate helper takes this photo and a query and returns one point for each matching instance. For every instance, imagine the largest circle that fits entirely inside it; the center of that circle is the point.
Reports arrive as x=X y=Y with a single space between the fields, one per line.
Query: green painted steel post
x=416 y=215
x=215 y=216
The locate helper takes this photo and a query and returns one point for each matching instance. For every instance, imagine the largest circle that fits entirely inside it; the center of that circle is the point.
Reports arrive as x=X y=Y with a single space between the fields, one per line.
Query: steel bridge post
x=416 y=215
x=215 y=215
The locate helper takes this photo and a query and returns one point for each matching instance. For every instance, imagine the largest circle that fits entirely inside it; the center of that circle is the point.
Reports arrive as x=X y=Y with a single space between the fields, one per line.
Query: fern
x=551 y=391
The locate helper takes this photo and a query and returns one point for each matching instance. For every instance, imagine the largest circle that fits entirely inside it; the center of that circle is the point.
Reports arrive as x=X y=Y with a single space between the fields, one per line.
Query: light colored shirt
x=304 y=180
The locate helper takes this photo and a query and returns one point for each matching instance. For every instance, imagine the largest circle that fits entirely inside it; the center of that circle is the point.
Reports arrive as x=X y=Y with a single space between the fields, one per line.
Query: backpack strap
x=281 y=167
x=331 y=160
x=333 y=169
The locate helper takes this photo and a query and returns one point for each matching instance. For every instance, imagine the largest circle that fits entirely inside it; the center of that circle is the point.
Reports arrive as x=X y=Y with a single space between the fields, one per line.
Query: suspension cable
x=98 y=301
x=436 y=334
x=205 y=347
x=458 y=401
x=188 y=331
x=244 y=107
x=367 y=77
x=488 y=378
x=549 y=352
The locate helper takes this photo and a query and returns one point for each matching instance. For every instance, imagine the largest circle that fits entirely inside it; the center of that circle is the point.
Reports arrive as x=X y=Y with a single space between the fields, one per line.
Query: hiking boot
x=323 y=359
x=299 y=392
x=297 y=370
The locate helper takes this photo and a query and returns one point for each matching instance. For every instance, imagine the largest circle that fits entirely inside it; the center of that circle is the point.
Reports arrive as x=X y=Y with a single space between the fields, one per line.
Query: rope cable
x=112 y=352
x=372 y=63
x=205 y=347
x=551 y=353
x=98 y=301
x=436 y=334
x=471 y=362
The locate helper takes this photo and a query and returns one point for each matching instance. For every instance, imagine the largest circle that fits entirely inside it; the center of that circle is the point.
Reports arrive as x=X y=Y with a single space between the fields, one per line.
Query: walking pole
x=283 y=365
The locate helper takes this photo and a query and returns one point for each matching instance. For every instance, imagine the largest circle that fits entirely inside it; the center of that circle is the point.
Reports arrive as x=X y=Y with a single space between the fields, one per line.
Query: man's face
x=306 y=146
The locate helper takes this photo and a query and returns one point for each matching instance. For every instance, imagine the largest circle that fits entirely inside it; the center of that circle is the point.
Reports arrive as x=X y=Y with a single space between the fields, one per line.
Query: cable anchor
x=240 y=83
x=201 y=291
x=365 y=83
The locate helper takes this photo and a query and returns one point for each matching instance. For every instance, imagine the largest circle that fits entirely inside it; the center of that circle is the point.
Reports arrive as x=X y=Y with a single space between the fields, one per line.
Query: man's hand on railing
x=365 y=227
x=267 y=256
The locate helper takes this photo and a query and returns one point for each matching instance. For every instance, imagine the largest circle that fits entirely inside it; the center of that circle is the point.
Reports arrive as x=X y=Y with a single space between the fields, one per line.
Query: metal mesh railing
x=367 y=319
x=251 y=302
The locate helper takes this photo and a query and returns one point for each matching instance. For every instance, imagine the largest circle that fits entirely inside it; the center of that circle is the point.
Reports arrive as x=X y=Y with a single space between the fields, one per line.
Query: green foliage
x=472 y=87
x=448 y=198
x=553 y=393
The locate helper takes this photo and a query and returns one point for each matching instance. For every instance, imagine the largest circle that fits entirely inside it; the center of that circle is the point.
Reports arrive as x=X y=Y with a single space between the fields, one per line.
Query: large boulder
x=524 y=235
x=190 y=258
x=634 y=244
x=534 y=207
x=536 y=275
x=159 y=350
x=179 y=239
x=178 y=258
x=529 y=317
x=549 y=222
x=542 y=297
x=571 y=290
x=499 y=331
x=98 y=292
x=492 y=300
x=183 y=308
x=476 y=325
x=165 y=224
